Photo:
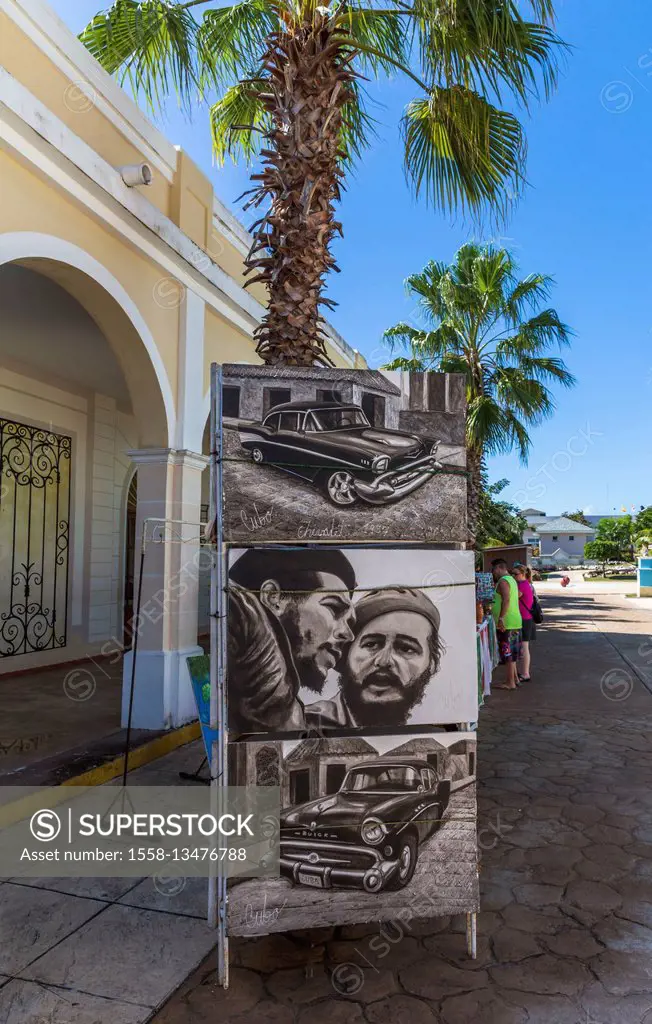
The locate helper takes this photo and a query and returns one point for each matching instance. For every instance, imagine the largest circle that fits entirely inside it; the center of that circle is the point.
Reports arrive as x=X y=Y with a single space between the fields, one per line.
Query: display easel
x=217 y=891
x=217 y=887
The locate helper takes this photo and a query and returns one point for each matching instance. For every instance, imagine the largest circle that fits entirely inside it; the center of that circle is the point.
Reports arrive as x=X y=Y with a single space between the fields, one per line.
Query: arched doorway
x=79 y=391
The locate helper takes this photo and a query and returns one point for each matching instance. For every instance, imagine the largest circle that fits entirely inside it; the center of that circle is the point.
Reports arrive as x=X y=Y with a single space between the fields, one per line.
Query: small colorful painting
x=199 y=668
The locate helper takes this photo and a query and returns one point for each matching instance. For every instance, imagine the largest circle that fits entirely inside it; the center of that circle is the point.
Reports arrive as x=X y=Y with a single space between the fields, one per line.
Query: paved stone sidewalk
x=100 y=950
x=565 y=825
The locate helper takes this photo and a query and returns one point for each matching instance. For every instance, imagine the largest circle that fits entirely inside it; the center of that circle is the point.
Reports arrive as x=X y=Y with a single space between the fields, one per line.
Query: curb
x=147 y=752
x=17 y=810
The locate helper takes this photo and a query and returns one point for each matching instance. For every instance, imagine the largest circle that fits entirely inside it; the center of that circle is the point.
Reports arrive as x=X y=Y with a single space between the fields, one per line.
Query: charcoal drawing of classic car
x=367 y=835
x=334 y=446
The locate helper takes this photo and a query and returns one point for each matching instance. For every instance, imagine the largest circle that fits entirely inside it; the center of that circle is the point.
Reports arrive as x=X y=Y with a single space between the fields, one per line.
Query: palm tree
x=288 y=78
x=484 y=322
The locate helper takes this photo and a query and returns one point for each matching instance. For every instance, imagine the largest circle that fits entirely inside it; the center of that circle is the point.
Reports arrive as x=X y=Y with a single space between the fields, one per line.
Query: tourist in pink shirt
x=525 y=603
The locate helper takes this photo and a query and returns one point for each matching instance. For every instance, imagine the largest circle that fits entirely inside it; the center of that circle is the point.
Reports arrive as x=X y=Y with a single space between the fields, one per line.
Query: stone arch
x=117 y=316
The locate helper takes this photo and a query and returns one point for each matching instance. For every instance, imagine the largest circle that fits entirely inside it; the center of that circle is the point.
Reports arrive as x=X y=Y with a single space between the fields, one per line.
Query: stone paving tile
x=635 y=910
x=332 y=1013
x=157 y=952
x=512 y=945
x=401 y=1010
x=22 y=1001
x=108 y=889
x=565 y=933
x=543 y=975
x=194 y=1001
x=164 y=894
x=34 y=920
x=486 y=1006
x=293 y=987
x=624 y=974
x=546 y=1009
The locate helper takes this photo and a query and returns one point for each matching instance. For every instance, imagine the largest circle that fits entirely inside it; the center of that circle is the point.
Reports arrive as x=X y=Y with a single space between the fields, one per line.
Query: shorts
x=528 y=631
x=509 y=645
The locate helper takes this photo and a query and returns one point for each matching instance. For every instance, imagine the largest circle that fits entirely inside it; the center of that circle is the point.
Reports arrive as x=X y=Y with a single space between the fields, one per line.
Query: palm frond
x=427 y=288
x=150 y=43
x=380 y=33
x=523 y=394
x=486 y=426
x=414 y=365
x=231 y=40
x=404 y=335
x=452 y=362
x=527 y=294
x=534 y=336
x=488 y=47
x=462 y=152
x=491 y=273
x=518 y=435
x=549 y=368
x=238 y=122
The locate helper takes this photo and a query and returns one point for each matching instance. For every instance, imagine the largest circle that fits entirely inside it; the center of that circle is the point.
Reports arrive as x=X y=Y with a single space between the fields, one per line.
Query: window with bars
x=34 y=538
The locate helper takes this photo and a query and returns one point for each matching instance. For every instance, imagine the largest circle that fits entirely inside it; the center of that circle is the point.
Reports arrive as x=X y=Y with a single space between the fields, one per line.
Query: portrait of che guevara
x=314 y=646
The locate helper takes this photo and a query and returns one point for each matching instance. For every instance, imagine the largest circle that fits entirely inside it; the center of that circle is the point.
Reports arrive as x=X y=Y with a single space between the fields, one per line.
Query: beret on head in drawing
x=292 y=568
x=397 y=599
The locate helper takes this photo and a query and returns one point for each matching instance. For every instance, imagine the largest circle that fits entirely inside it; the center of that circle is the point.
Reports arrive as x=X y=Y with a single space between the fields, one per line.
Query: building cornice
x=42 y=26
x=25 y=123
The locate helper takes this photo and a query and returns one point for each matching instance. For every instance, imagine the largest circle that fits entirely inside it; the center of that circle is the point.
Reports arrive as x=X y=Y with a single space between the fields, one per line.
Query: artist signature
x=257 y=520
x=260 y=918
x=333 y=529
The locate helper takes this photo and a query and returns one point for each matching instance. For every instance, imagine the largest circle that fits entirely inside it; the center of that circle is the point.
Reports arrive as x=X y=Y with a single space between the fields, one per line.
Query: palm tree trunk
x=474 y=468
x=307 y=87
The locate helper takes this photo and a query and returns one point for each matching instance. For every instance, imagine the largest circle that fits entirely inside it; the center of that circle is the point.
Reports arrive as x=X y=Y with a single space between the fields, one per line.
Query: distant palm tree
x=288 y=78
x=486 y=323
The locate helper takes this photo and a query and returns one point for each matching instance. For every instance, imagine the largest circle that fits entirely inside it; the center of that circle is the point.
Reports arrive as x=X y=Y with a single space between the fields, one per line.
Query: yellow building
x=115 y=298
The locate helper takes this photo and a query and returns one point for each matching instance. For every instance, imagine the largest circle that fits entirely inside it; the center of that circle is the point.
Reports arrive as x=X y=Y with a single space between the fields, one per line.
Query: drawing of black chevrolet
x=367 y=835
x=335 y=447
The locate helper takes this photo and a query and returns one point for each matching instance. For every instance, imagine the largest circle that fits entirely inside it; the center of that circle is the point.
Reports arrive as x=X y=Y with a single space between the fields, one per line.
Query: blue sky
x=586 y=219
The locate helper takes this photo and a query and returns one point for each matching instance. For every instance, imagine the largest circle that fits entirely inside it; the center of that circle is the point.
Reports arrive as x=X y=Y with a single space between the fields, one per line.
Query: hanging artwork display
x=323 y=639
x=343 y=643
x=372 y=828
x=331 y=455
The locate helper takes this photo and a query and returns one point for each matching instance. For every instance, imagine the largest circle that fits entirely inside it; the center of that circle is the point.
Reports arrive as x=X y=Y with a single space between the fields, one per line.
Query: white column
x=190 y=391
x=169 y=490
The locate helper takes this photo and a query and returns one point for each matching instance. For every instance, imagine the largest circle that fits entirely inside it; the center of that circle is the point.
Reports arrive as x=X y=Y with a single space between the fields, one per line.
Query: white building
x=556 y=538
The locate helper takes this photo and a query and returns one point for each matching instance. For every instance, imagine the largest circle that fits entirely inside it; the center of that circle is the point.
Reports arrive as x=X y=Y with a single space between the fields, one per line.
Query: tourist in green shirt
x=509 y=623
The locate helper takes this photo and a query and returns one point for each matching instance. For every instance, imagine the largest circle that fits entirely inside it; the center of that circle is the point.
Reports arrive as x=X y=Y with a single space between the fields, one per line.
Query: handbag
x=536 y=610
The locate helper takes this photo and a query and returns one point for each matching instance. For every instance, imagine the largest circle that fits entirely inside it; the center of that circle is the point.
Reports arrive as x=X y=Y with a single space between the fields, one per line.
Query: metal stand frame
x=217 y=883
x=472 y=918
x=471 y=935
